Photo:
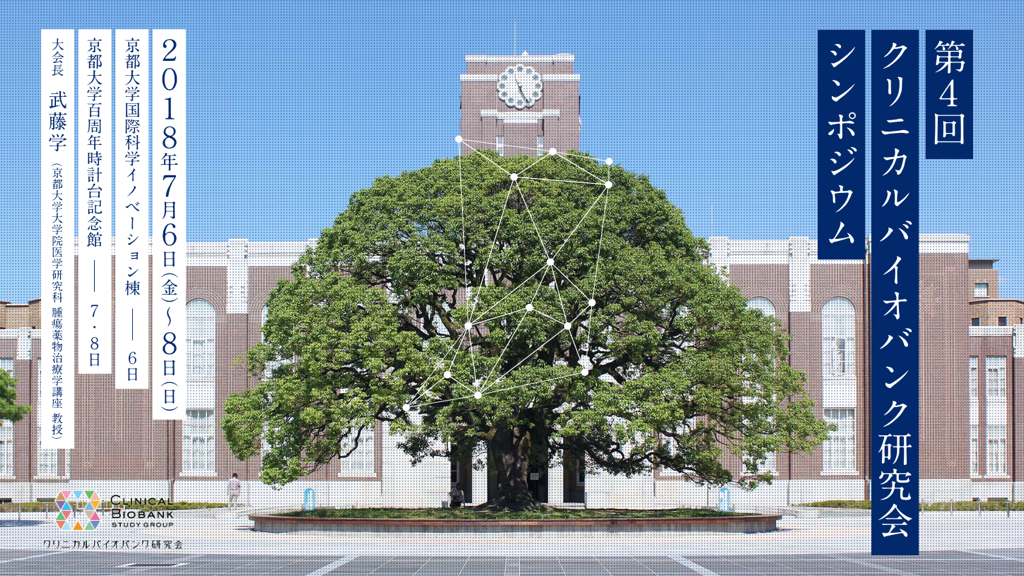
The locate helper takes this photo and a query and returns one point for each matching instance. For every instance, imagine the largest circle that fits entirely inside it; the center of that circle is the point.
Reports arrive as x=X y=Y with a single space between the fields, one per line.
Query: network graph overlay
x=560 y=321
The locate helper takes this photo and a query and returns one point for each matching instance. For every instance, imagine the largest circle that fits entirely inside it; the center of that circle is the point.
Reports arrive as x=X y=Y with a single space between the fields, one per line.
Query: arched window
x=202 y=341
x=199 y=428
x=763 y=304
x=838 y=332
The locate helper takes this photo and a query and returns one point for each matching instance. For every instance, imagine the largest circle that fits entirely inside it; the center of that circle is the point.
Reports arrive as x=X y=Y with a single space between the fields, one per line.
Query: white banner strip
x=96 y=206
x=56 y=410
x=131 y=143
x=170 y=370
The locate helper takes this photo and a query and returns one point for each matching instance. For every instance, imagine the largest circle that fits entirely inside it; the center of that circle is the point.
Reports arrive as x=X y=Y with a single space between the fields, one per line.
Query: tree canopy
x=9 y=409
x=556 y=304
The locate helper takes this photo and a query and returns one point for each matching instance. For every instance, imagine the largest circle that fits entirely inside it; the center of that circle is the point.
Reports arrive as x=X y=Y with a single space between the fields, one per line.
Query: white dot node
x=551 y=261
x=529 y=307
x=567 y=325
x=405 y=407
x=477 y=395
x=458 y=139
x=468 y=325
x=591 y=302
x=608 y=161
x=514 y=177
x=608 y=185
x=447 y=374
x=584 y=372
x=552 y=151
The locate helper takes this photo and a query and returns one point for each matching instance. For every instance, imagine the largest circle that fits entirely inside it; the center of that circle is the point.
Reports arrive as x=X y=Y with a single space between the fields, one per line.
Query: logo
x=78 y=510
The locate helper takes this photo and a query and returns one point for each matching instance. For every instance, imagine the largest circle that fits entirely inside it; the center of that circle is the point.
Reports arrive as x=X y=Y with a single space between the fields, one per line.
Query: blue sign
x=841 y=125
x=949 y=94
x=723 y=499
x=895 y=302
x=309 y=500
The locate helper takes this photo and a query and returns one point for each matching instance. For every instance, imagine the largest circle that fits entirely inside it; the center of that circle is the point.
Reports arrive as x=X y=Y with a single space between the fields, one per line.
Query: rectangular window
x=981 y=290
x=540 y=146
x=455 y=471
x=995 y=378
x=6 y=448
x=995 y=451
x=500 y=145
x=840 y=364
x=202 y=360
x=974 y=450
x=972 y=379
x=766 y=465
x=362 y=461
x=47 y=457
x=197 y=442
x=1002 y=321
x=8 y=365
x=839 y=452
x=975 y=321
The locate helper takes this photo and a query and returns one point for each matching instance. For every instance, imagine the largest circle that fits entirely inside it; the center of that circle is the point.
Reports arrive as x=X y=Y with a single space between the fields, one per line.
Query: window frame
x=206 y=430
x=839 y=339
x=995 y=451
x=975 y=471
x=972 y=378
x=346 y=472
x=995 y=379
x=6 y=449
x=830 y=453
x=208 y=350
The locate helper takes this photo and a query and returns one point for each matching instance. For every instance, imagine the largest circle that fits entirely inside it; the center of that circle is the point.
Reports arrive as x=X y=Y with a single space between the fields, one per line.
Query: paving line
x=866 y=564
x=695 y=567
x=328 y=568
x=1010 y=558
x=512 y=566
x=31 y=557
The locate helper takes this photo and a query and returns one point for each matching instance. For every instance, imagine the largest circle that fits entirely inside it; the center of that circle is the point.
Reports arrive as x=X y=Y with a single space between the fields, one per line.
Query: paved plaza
x=1002 y=562
x=962 y=543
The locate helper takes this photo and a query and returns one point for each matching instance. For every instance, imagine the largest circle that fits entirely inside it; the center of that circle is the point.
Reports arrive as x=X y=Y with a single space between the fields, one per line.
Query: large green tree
x=9 y=408
x=596 y=327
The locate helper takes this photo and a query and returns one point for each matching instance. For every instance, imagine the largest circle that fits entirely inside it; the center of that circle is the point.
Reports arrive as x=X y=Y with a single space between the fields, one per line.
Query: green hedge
x=967 y=506
x=473 y=514
x=962 y=505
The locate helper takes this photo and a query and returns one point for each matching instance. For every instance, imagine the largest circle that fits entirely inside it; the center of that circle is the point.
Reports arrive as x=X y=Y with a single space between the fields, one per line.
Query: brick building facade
x=972 y=369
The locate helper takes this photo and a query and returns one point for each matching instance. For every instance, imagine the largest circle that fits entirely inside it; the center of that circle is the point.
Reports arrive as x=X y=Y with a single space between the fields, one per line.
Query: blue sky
x=291 y=107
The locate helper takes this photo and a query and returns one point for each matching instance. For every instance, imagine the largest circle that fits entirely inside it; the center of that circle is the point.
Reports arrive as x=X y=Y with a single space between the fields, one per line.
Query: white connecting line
x=487 y=385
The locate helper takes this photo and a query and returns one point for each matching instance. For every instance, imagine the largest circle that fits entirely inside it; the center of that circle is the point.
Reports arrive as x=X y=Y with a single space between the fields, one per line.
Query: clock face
x=520 y=86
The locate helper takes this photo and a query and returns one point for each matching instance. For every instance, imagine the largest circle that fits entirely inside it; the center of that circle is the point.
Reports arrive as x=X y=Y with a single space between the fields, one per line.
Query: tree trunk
x=509 y=449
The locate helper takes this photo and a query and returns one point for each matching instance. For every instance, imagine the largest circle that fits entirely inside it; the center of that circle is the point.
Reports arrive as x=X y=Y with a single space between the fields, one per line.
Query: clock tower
x=520 y=104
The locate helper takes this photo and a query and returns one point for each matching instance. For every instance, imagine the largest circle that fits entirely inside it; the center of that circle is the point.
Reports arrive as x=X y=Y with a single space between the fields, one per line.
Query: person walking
x=456 y=496
x=234 y=490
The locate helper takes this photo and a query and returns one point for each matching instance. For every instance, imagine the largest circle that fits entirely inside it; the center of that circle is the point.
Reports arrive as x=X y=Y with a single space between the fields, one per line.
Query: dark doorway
x=574 y=478
x=462 y=472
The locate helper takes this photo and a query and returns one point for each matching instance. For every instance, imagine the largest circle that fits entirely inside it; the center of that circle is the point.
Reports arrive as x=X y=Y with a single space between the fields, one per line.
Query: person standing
x=234 y=490
x=456 y=496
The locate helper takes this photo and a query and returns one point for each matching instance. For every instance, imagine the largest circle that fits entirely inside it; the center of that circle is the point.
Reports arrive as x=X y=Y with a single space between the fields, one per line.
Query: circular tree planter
x=747 y=524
